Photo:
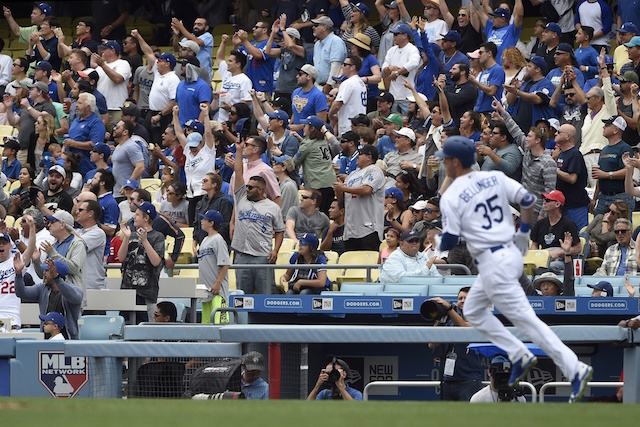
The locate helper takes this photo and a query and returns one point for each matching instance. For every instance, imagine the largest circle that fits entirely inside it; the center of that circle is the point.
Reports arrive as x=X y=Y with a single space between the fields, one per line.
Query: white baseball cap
x=412 y=98
x=406 y=132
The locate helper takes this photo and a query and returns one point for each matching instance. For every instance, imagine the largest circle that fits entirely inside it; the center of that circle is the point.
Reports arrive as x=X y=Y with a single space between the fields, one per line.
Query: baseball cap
x=213 y=216
x=61 y=266
x=111 y=44
x=412 y=98
x=360 y=119
x=42 y=87
x=547 y=277
x=459 y=147
x=617 y=121
x=191 y=45
x=130 y=109
x=501 y=360
x=314 y=121
x=253 y=361
x=309 y=239
x=131 y=183
x=43 y=65
x=402 y=29
x=362 y=8
x=361 y=40
x=197 y=126
x=293 y=33
x=168 y=57
x=539 y=61
x=310 y=70
x=392 y=5
x=12 y=143
x=394 y=192
x=452 y=35
x=54 y=317
x=45 y=8
x=474 y=55
x=501 y=12
x=409 y=235
x=59 y=169
x=280 y=115
x=194 y=139
x=103 y=149
x=350 y=136
x=629 y=76
x=394 y=118
x=5 y=236
x=323 y=20
x=281 y=103
x=406 y=132
x=555 y=195
x=602 y=285
x=628 y=27
x=420 y=205
x=61 y=216
x=554 y=123
x=148 y=208
x=285 y=161
x=369 y=150
x=635 y=41
x=564 y=47
x=386 y=96
x=553 y=26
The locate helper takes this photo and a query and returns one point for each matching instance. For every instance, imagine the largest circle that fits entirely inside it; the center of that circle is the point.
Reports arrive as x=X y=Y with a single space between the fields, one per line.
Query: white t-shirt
x=435 y=29
x=41 y=237
x=407 y=57
x=58 y=337
x=163 y=89
x=234 y=89
x=9 y=302
x=196 y=167
x=115 y=94
x=125 y=211
x=486 y=395
x=353 y=94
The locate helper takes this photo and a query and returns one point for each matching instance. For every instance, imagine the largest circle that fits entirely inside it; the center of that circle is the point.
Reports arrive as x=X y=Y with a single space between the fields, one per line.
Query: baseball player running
x=476 y=207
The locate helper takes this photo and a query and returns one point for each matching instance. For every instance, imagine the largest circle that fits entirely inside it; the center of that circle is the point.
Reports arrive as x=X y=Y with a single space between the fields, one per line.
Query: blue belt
x=496 y=248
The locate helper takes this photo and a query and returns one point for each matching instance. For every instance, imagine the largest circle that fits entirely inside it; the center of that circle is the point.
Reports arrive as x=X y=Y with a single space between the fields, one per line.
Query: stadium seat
x=100 y=327
x=288 y=245
x=14 y=185
x=444 y=290
x=592 y=280
x=368 y=289
x=401 y=289
x=420 y=280
x=6 y=131
x=536 y=258
x=459 y=280
x=332 y=257
x=114 y=272
x=9 y=220
x=358 y=257
x=150 y=183
x=635 y=219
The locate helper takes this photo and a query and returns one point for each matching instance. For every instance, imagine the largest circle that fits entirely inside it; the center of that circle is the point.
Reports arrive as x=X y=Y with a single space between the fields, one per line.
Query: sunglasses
x=613 y=212
x=620 y=231
x=304 y=196
x=430 y=211
x=251 y=187
x=156 y=314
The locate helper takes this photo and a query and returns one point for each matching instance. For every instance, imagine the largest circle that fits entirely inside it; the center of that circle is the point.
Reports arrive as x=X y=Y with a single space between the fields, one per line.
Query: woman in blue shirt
x=305 y=281
x=370 y=70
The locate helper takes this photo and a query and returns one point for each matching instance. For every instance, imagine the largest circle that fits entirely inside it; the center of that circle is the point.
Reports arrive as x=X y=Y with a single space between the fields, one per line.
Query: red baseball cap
x=555 y=195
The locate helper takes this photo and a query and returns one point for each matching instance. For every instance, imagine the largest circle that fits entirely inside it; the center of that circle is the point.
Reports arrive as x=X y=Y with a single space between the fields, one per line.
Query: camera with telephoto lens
x=433 y=310
x=500 y=370
x=334 y=374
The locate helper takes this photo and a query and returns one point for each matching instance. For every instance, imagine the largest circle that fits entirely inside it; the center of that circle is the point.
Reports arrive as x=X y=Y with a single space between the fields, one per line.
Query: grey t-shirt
x=212 y=255
x=366 y=213
x=28 y=123
x=124 y=157
x=255 y=224
x=305 y=223
x=177 y=213
x=315 y=157
x=95 y=239
x=143 y=79
x=289 y=194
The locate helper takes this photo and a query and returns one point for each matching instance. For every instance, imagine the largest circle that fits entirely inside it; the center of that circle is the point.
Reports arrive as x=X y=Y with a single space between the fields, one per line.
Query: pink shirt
x=260 y=168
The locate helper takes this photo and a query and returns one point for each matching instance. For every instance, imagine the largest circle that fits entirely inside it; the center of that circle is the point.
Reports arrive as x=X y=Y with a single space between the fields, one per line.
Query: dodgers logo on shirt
x=62 y=376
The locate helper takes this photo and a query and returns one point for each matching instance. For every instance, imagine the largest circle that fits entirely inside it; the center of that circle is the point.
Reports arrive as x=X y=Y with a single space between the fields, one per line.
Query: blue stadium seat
x=100 y=327
x=591 y=280
x=459 y=280
x=445 y=290
x=403 y=289
x=369 y=289
x=421 y=280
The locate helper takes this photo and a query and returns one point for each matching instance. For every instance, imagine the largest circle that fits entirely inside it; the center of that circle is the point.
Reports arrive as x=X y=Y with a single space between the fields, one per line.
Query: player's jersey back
x=9 y=302
x=476 y=207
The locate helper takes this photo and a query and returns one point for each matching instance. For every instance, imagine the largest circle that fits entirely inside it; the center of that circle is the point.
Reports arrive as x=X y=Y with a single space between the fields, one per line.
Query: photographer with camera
x=499 y=390
x=331 y=383
x=462 y=373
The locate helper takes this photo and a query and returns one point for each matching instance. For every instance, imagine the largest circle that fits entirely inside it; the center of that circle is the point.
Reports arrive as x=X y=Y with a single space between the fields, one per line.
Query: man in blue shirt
x=200 y=35
x=490 y=80
x=529 y=100
x=307 y=100
x=254 y=387
x=349 y=144
x=499 y=30
x=85 y=132
x=10 y=164
x=259 y=65
x=191 y=91
x=328 y=52
x=450 y=54
x=330 y=388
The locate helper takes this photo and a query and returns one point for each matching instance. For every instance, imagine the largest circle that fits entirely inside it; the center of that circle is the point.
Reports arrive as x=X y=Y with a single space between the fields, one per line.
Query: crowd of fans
x=317 y=127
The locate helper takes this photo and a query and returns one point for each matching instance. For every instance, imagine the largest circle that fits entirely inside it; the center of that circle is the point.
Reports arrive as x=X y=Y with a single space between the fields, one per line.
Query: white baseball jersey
x=9 y=302
x=476 y=207
x=353 y=93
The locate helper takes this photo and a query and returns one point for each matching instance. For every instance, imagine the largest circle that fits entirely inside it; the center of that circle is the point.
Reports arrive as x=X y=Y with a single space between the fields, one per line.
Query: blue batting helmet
x=459 y=147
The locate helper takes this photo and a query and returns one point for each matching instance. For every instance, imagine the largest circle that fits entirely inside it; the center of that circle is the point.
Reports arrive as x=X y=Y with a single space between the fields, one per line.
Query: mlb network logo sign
x=243 y=302
x=322 y=304
x=62 y=376
x=402 y=304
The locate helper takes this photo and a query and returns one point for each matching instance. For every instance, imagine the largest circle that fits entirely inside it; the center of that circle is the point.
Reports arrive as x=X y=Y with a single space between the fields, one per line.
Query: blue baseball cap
x=628 y=27
x=603 y=285
x=43 y=65
x=501 y=12
x=194 y=139
x=195 y=125
x=309 y=239
x=54 y=317
x=552 y=26
x=103 y=149
x=280 y=115
x=314 y=121
x=148 y=208
x=213 y=216
x=45 y=8
x=362 y=8
x=402 y=29
x=608 y=60
x=460 y=148
x=168 y=57
x=409 y=235
x=635 y=41
x=5 y=236
x=565 y=47
x=452 y=36
x=111 y=44
x=539 y=61
x=131 y=183
x=394 y=192
x=62 y=268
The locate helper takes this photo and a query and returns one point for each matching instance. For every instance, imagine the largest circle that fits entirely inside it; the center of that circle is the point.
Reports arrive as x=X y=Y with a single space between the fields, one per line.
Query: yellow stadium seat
x=288 y=245
x=114 y=272
x=15 y=184
x=6 y=131
x=332 y=257
x=9 y=220
x=535 y=258
x=150 y=183
x=357 y=274
x=635 y=219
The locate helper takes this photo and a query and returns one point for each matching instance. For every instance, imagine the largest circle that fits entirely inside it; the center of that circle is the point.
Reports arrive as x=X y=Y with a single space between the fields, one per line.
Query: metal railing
x=600 y=384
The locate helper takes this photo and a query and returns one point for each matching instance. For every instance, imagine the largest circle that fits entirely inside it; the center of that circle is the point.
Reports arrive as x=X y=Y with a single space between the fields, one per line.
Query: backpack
x=217 y=377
